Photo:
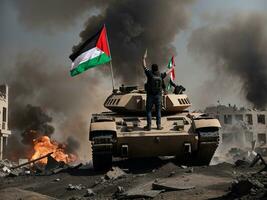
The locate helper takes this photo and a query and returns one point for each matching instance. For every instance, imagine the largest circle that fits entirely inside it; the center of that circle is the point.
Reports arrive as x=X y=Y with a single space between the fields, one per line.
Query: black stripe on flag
x=87 y=45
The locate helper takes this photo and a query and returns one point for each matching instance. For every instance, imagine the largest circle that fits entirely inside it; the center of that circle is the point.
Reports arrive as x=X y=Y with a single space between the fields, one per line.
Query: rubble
x=241 y=163
x=115 y=173
x=5 y=167
x=171 y=174
x=247 y=185
x=75 y=187
x=89 y=193
x=140 y=191
x=191 y=170
x=171 y=184
x=120 y=189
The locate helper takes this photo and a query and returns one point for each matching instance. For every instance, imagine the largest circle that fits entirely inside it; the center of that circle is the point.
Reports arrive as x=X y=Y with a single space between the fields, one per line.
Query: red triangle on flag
x=102 y=42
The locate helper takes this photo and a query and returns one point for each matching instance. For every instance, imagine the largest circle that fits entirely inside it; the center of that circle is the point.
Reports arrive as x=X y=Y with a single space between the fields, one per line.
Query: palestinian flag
x=171 y=65
x=95 y=51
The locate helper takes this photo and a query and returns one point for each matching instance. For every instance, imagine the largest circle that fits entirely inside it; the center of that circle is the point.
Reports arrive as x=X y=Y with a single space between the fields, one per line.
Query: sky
x=48 y=35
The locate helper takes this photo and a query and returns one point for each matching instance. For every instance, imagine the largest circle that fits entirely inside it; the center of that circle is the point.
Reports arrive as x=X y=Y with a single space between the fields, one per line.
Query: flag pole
x=110 y=64
x=111 y=72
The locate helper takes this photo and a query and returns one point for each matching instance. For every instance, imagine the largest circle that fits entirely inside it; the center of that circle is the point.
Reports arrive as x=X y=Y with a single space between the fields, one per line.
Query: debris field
x=152 y=178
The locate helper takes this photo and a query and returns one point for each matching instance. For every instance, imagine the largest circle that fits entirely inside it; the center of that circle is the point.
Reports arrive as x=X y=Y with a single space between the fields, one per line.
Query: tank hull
x=191 y=140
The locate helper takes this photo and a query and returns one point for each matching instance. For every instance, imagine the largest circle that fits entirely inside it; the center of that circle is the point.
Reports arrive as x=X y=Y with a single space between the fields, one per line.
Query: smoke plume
x=52 y=15
x=133 y=26
x=237 y=48
x=50 y=91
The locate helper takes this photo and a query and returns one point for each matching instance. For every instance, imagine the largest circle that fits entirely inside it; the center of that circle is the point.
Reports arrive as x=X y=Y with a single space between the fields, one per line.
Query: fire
x=44 y=145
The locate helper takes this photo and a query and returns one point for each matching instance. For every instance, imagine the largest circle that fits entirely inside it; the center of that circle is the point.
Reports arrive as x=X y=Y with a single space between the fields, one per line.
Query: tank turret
x=133 y=99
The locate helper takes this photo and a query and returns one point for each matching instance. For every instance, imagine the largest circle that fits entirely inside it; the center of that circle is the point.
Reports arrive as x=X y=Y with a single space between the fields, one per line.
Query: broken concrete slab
x=16 y=193
x=140 y=194
x=115 y=173
x=171 y=184
x=141 y=191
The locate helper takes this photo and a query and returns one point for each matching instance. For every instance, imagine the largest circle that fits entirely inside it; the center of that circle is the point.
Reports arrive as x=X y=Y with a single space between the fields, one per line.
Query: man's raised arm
x=144 y=59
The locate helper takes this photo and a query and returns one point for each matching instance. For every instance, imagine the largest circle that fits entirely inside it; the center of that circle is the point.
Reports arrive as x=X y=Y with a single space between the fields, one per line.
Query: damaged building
x=4 y=131
x=240 y=125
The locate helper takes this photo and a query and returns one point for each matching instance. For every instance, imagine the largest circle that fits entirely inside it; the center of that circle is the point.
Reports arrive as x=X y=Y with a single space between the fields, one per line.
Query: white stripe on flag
x=88 y=55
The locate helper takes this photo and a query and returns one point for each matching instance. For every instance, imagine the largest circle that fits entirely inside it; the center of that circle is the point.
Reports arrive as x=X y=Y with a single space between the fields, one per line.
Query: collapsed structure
x=4 y=131
x=240 y=125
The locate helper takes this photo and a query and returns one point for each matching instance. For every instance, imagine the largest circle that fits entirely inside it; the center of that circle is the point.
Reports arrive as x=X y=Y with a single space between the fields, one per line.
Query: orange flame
x=44 y=145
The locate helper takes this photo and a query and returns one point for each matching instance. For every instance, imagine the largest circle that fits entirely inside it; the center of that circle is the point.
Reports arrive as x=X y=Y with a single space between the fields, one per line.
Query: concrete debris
x=14 y=173
x=23 y=160
x=171 y=184
x=120 y=189
x=57 y=180
x=140 y=191
x=12 y=193
x=75 y=187
x=89 y=193
x=183 y=166
x=6 y=169
x=27 y=172
x=191 y=170
x=115 y=173
x=241 y=163
x=140 y=194
x=171 y=174
x=250 y=185
x=102 y=178
x=6 y=163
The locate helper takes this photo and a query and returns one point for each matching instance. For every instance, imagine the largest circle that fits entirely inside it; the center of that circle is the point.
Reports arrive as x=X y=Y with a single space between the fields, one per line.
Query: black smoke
x=53 y=16
x=28 y=123
x=133 y=26
x=237 y=48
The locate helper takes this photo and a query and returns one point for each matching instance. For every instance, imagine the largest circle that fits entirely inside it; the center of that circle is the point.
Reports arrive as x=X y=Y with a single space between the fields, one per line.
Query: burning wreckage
x=49 y=158
x=45 y=156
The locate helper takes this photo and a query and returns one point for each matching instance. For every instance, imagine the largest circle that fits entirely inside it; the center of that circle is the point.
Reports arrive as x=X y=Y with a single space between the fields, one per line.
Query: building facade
x=4 y=131
x=240 y=125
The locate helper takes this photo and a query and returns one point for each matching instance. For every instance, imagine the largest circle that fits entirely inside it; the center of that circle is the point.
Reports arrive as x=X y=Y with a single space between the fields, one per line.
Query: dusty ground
x=209 y=182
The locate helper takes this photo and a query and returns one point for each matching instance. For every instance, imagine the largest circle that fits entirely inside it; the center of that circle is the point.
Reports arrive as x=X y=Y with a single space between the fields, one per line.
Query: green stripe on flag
x=102 y=59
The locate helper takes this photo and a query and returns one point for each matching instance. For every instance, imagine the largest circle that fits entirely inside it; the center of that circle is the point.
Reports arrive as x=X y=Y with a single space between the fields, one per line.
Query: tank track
x=102 y=148
x=207 y=145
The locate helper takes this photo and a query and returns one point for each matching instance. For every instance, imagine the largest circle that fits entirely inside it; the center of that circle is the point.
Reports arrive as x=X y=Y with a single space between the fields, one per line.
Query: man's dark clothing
x=150 y=101
x=153 y=97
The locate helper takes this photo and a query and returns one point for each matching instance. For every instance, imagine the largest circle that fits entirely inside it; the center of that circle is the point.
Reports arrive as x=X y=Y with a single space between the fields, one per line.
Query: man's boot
x=147 y=128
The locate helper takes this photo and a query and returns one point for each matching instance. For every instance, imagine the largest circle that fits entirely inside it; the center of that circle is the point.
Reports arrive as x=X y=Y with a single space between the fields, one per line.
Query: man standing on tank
x=153 y=87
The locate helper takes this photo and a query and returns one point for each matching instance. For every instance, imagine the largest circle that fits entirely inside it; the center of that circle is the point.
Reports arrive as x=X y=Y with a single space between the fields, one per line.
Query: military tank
x=119 y=132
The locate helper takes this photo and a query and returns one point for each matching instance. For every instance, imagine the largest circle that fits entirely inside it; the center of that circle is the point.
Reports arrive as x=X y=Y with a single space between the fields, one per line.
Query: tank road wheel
x=102 y=161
